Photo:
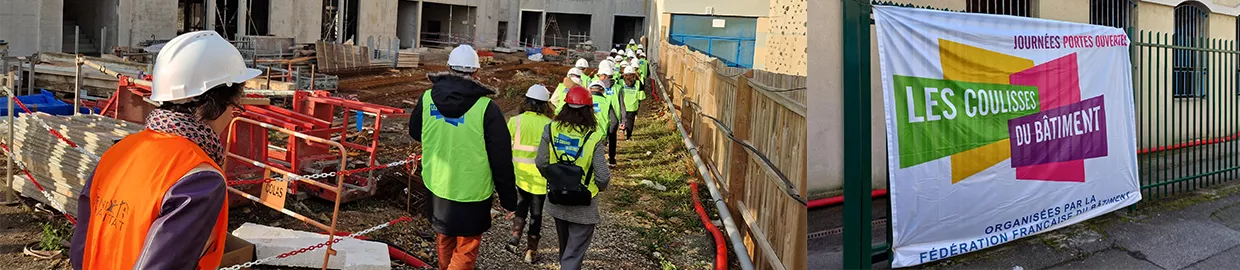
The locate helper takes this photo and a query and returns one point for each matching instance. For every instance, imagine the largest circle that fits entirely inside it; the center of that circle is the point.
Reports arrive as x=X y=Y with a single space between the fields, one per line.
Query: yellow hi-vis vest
x=560 y=93
x=572 y=144
x=633 y=95
x=527 y=130
x=454 y=153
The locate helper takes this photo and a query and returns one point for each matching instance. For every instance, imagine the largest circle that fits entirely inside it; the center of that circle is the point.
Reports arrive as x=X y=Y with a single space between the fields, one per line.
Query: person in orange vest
x=526 y=129
x=157 y=198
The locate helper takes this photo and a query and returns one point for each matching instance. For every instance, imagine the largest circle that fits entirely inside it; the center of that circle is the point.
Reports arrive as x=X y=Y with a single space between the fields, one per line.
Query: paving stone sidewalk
x=1197 y=230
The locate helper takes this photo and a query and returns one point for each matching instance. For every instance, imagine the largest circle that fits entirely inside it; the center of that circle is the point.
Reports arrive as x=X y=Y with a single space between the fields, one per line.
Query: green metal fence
x=1186 y=115
x=1185 y=92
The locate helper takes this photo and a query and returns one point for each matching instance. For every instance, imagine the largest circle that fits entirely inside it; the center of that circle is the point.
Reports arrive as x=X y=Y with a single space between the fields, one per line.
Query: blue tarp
x=45 y=102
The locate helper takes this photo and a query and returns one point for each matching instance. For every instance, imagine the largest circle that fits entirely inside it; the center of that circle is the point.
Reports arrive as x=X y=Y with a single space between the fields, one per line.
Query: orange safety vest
x=126 y=194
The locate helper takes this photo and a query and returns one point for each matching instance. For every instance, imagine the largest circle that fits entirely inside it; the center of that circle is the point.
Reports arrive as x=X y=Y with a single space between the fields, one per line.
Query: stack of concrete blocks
x=350 y=253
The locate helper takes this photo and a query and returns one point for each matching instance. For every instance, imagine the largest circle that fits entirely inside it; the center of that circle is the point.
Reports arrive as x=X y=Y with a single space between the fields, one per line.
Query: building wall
x=825 y=154
x=744 y=8
x=19 y=25
x=786 y=40
x=375 y=18
x=661 y=13
x=51 y=22
x=299 y=19
x=1063 y=10
x=602 y=14
x=142 y=20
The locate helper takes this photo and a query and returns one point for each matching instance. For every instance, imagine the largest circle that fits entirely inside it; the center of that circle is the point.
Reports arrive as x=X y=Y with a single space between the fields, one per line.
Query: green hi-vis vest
x=612 y=94
x=527 y=130
x=642 y=69
x=560 y=93
x=603 y=109
x=454 y=153
x=586 y=79
x=572 y=144
x=633 y=96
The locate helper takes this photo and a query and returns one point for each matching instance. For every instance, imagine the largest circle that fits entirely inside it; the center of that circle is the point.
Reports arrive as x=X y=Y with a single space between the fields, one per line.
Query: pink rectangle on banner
x=1058 y=85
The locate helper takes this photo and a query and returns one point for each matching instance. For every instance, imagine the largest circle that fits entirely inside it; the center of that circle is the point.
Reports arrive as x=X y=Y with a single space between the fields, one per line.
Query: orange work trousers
x=458 y=252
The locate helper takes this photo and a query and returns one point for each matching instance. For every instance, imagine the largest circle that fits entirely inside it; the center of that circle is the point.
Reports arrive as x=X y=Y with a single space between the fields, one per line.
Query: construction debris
x=350 y=254
x=336 y=56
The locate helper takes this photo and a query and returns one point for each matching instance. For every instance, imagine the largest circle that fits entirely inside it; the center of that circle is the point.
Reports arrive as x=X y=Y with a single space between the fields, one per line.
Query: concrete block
x=350 y=254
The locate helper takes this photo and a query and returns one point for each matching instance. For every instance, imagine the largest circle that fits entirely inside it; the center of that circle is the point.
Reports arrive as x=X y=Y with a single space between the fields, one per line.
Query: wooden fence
x=766 y=111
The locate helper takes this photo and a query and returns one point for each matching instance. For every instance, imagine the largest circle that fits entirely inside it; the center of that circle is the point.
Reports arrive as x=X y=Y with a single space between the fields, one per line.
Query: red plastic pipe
x=393 y=252
x=1193 y=143
x=819 y=203
x=721 y=252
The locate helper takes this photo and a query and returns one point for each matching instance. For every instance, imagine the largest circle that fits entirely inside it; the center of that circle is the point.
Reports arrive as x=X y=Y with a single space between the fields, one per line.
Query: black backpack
x=563 y=187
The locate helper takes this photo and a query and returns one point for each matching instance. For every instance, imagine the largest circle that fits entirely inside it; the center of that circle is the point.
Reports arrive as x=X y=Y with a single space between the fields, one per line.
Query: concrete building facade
x=491 y=23
x=1218 y=20
x=48 y=25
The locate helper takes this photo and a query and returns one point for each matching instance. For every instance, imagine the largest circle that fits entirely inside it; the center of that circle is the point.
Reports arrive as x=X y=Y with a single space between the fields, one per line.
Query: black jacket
x=454 y=95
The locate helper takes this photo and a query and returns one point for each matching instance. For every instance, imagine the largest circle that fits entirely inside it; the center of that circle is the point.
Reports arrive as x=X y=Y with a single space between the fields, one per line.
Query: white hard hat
x=631 y=41
x=641 y=52
x=630 y=54
x=630 y=70
x=606 y=68
x=635 y=62
x=582 y=63
x=463 y=58
x=574 y=72
x=538 y=92
x=640 y=47
x=598 y=83
x=193 y=63
x=613 y=50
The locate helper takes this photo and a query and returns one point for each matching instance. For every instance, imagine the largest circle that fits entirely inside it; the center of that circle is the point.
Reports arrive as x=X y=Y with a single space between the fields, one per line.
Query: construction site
x=321 y=170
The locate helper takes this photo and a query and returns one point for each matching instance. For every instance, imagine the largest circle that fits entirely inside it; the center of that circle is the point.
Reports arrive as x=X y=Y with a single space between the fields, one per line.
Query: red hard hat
x=578 y=96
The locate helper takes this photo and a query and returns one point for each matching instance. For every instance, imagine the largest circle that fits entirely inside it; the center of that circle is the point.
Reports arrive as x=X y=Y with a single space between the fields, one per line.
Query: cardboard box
x=236 y=251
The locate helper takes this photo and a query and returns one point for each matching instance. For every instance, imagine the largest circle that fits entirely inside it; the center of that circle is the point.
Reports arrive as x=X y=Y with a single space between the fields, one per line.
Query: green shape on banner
x=963 y=116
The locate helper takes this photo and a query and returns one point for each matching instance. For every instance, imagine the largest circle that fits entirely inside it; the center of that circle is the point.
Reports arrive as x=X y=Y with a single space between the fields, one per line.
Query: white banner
x=1001 y=127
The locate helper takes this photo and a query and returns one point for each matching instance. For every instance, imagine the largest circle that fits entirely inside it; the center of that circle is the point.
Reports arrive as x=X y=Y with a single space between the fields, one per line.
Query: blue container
x=43 y=102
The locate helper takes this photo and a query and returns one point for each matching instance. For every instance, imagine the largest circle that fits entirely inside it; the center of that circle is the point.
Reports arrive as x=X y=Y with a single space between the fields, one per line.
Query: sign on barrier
x=274 y=193
x=1001 y=127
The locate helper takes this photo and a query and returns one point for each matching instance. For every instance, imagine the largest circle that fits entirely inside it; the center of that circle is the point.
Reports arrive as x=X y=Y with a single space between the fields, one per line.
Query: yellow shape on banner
x=972 y=64
x=973 y=161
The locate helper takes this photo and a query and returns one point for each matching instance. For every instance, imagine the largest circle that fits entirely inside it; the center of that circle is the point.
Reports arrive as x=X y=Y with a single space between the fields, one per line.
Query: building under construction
x=92 y=26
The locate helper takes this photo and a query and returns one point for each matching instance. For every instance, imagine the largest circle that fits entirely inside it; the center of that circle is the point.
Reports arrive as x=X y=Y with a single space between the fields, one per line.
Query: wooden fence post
x=739 y=162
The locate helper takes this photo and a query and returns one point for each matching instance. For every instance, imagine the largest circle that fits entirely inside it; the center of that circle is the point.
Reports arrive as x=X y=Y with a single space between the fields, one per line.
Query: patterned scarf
x=188 y=126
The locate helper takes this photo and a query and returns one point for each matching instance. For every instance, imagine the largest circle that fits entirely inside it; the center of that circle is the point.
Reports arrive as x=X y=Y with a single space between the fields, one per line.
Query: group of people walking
x=550 y=157
x=556 y=155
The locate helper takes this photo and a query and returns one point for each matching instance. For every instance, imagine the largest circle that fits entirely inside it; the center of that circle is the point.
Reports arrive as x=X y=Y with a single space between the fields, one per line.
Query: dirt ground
x=642 y=228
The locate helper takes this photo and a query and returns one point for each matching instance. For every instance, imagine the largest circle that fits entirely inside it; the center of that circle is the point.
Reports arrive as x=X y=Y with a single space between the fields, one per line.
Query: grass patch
x=656 y=154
